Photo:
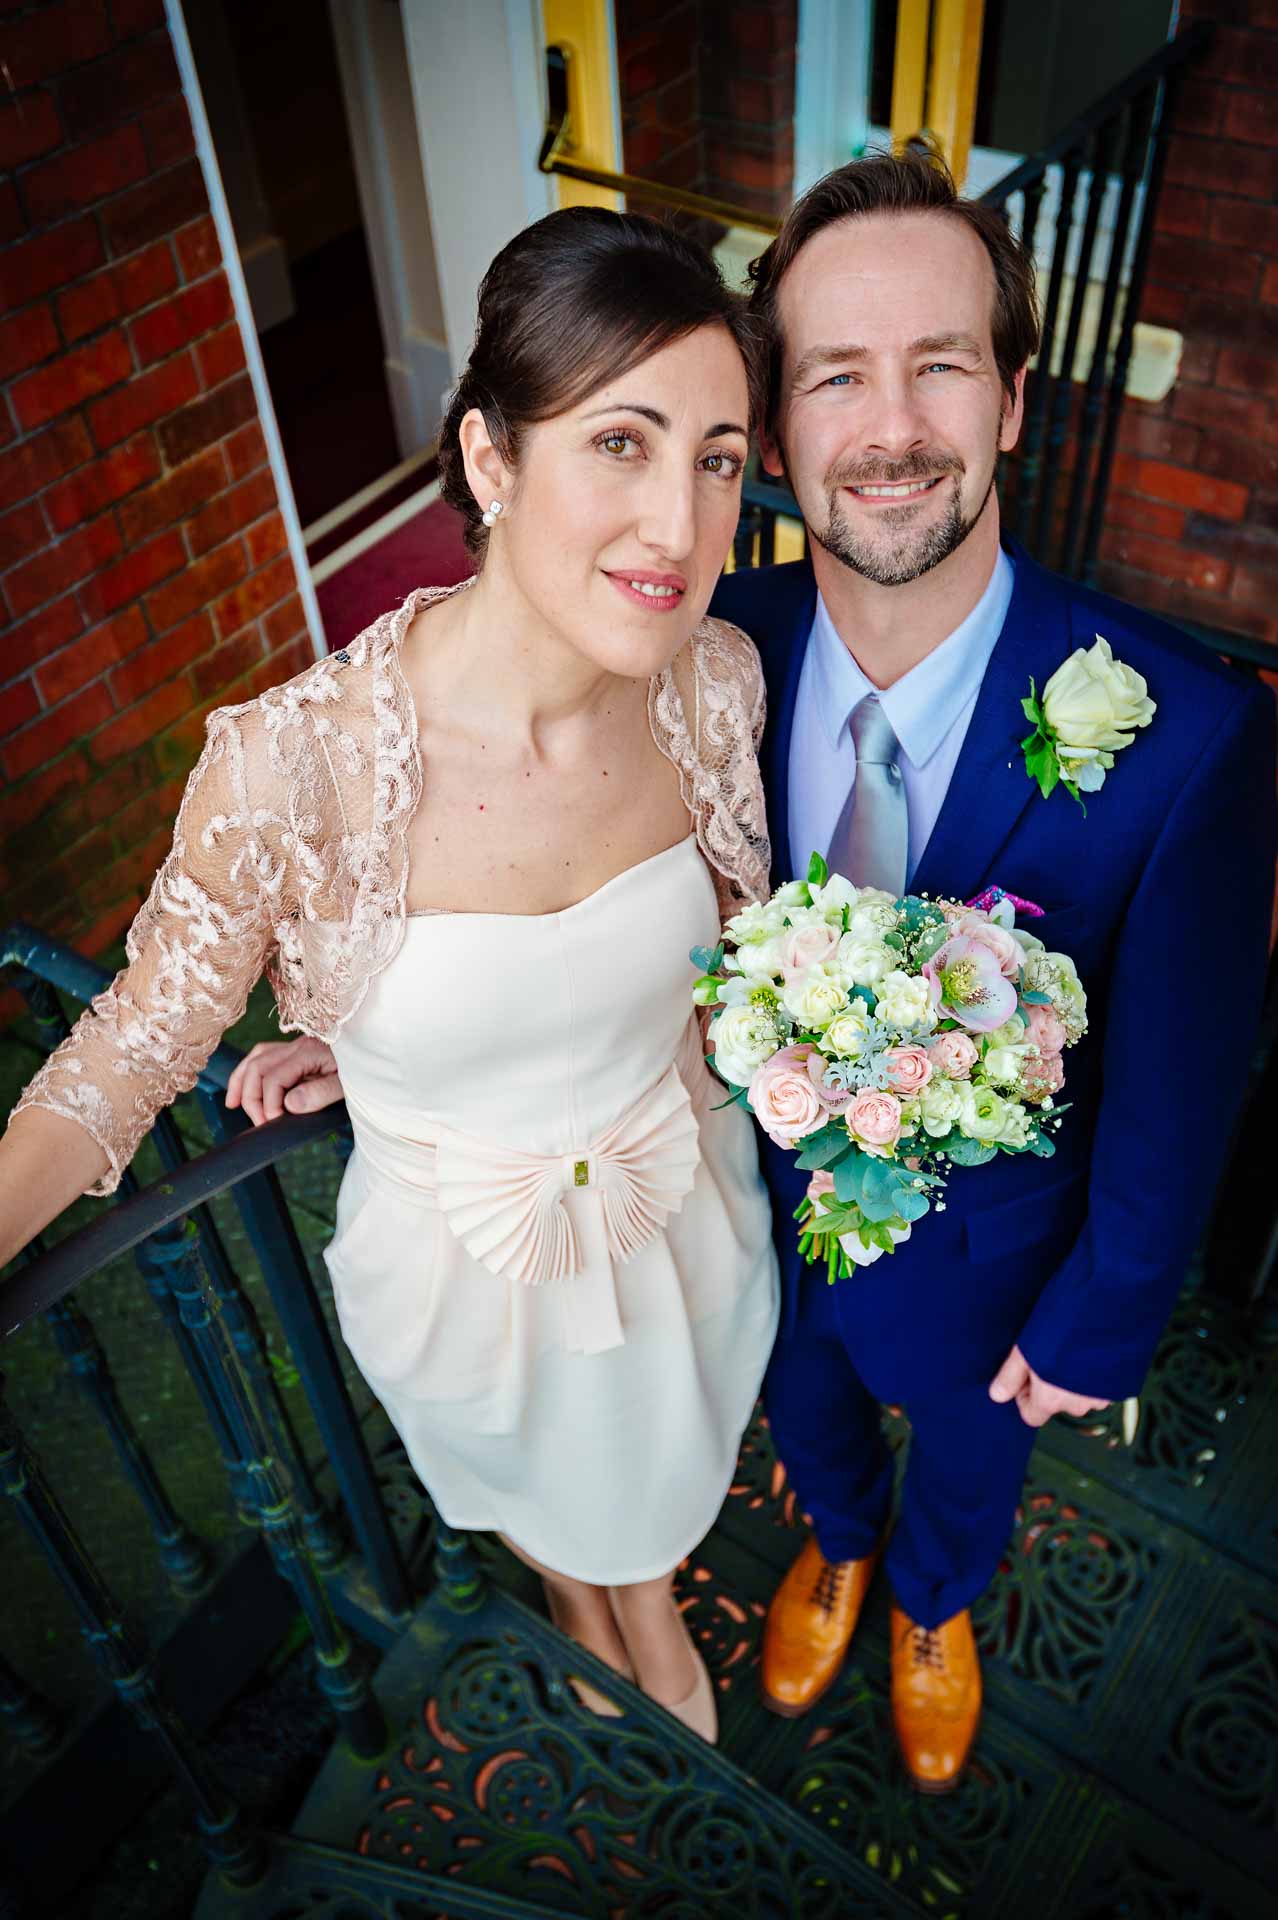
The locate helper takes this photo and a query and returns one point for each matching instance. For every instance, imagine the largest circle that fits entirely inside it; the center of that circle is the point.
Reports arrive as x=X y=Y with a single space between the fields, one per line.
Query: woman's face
x=622 y=510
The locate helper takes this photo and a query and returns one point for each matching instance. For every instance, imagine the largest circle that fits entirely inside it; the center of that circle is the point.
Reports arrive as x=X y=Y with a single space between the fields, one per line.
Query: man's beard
x=903 y=549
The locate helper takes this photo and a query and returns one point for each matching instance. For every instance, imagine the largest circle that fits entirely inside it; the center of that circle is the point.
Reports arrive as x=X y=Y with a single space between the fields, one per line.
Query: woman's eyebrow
x=662 y=420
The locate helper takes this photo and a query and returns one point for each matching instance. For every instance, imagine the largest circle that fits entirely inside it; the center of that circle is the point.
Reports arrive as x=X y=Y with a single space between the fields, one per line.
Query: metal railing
x=170 y=1231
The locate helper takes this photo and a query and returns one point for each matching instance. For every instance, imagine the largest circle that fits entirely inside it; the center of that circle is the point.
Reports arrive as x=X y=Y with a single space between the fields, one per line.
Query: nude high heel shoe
x=588 y=1695
x=697 y=1709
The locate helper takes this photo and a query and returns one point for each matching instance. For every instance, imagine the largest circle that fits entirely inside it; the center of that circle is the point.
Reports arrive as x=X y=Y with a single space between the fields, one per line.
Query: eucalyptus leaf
x=823 y=1149
x=969 y=1153
x=709 y=959
x=848 y=1175
x=912 y=1204
x=1042 y=1145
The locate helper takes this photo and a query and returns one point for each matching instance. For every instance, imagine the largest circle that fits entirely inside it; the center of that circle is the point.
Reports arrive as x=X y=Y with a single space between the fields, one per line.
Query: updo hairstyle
x=573 y=301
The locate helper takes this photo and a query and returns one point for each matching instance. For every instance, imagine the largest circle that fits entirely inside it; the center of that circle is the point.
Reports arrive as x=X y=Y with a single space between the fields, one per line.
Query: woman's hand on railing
x=284 y=1076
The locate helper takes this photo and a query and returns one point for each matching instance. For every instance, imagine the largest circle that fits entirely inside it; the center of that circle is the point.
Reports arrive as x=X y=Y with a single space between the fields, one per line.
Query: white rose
x=846 y=1032
x=1002 y=1065
x=760 y=960
x=940 y=1104
x=1093 y=704
x=862 y=961
x=873 y=915
x=1010 y=1034
x=905 y=1003
x=742 y=1039
x=793 y=894
x=814 y=998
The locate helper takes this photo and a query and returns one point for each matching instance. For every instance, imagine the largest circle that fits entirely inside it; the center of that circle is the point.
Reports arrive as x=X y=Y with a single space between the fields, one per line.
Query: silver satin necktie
x=871 y=841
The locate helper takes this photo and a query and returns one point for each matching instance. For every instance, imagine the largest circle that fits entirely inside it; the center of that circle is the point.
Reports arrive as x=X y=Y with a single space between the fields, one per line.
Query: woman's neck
x=494 y=664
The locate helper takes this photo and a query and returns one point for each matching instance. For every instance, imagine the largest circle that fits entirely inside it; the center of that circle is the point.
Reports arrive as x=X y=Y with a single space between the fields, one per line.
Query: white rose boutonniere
x=1088 y=711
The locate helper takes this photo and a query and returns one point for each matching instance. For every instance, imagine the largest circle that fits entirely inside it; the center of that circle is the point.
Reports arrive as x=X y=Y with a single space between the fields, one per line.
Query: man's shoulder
x=1176 y=665
x=768 y=603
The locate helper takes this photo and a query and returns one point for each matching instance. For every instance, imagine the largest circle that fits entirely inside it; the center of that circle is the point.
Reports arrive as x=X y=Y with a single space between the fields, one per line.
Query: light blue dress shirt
x=930 y=708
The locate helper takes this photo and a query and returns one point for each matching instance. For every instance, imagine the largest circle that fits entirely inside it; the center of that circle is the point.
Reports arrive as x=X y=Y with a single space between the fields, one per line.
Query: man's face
x=891 y=415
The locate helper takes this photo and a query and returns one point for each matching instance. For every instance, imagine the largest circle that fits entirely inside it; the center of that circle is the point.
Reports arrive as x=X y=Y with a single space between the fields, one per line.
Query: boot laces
x=928 y=1651
x=828 y=1582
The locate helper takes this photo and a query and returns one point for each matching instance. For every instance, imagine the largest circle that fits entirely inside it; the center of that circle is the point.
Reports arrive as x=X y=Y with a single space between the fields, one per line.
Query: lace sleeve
x=194 y=952
x=707 y=714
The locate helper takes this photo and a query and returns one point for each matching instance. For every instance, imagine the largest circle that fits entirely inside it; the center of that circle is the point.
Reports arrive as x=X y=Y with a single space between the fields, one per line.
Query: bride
x=472 y=851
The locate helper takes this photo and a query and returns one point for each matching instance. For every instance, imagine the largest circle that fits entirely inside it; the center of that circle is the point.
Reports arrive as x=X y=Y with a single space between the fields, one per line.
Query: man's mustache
x=928 y=463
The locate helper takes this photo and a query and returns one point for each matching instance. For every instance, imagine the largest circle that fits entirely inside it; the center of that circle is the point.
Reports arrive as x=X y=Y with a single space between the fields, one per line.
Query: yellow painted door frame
x=584 y=31
x=938 y=94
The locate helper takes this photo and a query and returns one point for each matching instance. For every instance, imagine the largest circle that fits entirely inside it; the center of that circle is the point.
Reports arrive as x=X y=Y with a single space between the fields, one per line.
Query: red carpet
x=427 y=551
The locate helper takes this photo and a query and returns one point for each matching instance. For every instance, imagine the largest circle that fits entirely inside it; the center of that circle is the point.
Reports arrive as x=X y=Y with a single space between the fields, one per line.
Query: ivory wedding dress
x=553 y=1261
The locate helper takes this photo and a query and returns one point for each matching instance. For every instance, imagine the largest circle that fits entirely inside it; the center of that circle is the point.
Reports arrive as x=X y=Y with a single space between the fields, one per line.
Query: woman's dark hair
x=914 y=180
x=575 y=300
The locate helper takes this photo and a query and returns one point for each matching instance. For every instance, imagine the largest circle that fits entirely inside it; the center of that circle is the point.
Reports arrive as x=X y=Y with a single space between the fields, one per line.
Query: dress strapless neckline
x=555 y=913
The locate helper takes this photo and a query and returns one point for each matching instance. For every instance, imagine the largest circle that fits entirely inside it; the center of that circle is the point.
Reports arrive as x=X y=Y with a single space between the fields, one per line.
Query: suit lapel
x=990 y=788
x=782 y=647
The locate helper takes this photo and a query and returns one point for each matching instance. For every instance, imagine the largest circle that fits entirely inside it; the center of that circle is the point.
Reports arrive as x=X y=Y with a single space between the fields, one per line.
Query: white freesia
x=905 y=1003
x=814 y=998
x=755 y=922
x=742 y=1039
x=863 y=960
x=831 y=898
x=846 y=1032
x=1015 y=1130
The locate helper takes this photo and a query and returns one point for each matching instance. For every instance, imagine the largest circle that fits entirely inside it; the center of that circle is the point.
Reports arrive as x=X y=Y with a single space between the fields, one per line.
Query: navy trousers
x=962 y=1481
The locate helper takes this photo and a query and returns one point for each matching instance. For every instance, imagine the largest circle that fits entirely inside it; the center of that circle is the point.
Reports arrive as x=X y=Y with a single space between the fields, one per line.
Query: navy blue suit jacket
x=1162 y=896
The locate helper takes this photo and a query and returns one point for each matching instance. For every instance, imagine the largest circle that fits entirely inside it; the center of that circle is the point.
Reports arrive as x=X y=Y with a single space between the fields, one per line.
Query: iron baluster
x=743 y=538
x=1163 y=111
x=269 y=1225
x=181 y=1553
x=1031 y=206
x=1063 y=390
x=27 y=1714
x=242 y=1394
x=457 y=1570
x=233 y=1848
x=1036 y=413
x=1094 y=400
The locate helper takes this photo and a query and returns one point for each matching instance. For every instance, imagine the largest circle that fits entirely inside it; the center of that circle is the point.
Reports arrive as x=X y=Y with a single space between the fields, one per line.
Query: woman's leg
x=664 y=1664
x=579 y=1610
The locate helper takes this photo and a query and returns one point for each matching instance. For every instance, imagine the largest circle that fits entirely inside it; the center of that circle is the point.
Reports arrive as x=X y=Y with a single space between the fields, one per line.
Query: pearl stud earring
x=490 y=518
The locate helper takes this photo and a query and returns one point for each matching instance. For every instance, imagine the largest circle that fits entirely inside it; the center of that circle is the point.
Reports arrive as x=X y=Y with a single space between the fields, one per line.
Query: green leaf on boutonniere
x=1042 y=760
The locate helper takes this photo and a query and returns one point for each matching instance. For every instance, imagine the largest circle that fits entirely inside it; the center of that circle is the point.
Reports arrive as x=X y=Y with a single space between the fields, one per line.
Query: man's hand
x=1037 y=1399
x=275 y=1076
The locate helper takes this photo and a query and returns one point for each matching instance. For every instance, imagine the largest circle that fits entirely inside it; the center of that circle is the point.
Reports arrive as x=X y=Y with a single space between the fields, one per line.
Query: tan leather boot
x=936 y=1698
x=810 y=1623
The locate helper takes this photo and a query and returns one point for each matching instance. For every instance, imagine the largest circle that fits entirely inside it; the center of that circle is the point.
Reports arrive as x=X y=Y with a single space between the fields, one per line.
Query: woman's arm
x=194 y=952
x=46 y=1162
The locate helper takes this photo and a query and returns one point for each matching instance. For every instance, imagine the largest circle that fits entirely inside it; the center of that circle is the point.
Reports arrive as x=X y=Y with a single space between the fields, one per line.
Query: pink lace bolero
x=290 y=854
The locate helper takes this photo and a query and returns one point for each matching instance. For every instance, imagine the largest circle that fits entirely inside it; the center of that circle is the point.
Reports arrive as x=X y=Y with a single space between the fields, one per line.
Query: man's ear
x=1009 y=430
x=770 y=454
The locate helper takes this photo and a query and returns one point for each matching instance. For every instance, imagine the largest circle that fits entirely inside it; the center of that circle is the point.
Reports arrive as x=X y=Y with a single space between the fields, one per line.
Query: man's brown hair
x=915 y=180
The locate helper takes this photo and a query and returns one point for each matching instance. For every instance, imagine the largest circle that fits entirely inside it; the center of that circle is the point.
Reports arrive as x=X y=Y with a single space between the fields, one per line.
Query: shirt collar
x=924 y=703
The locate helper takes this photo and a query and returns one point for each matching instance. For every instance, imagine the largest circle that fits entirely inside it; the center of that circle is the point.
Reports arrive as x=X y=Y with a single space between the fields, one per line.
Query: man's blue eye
x=839 y=379
x=939 y=366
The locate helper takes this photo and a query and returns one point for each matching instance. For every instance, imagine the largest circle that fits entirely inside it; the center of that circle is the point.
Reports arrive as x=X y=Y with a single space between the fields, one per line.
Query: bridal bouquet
x=886 y=1042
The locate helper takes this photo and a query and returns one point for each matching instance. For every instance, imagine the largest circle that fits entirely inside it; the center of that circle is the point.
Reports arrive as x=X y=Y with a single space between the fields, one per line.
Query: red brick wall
x=1192 y=524
x=707 y=97
x=144 y=573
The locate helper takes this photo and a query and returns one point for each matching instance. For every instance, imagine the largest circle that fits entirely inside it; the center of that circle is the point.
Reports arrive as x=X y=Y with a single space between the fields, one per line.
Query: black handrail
x=44 y=1281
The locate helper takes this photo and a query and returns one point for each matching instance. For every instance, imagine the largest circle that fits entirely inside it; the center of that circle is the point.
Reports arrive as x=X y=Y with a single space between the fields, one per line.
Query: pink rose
x=1046 y=1029
x=1007 y=950
x=806 y=947
x=834 y=1099
x=784 y=1099
x=909 y=1068
x=874 y=1120
x=820 y=1187
x=1042 y=1076
x=953 y=1054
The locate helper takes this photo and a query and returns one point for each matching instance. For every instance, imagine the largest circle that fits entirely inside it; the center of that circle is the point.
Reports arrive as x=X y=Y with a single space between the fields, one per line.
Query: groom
x=896 y=661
